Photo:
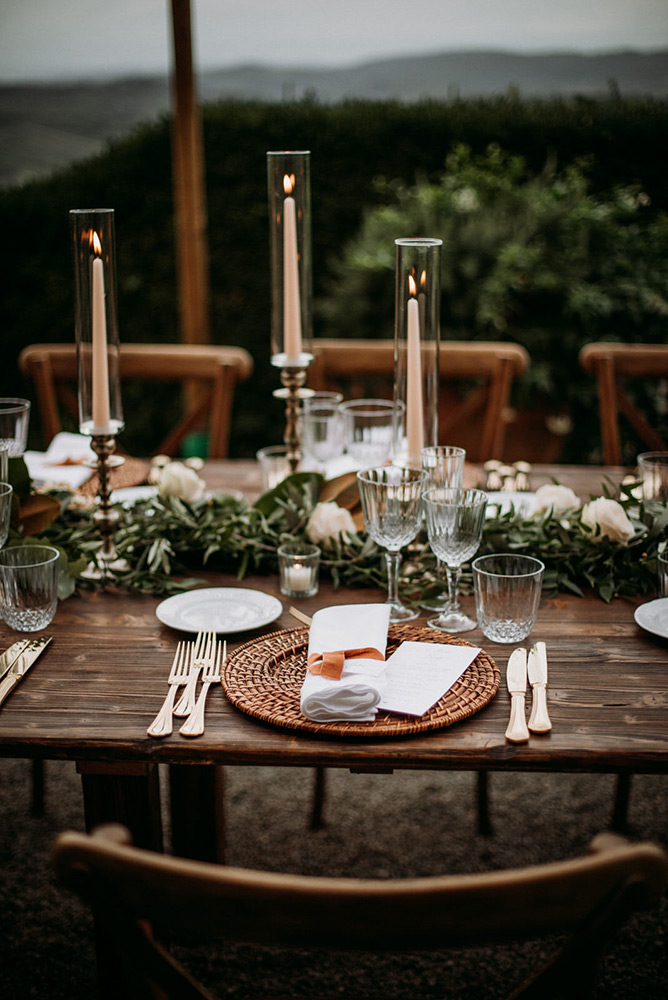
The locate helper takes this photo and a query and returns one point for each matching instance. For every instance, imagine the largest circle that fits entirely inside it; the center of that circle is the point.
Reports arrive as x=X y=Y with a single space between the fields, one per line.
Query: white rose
x=177 y=480
x=328 y=521
x=555 y=498
x=609 y=517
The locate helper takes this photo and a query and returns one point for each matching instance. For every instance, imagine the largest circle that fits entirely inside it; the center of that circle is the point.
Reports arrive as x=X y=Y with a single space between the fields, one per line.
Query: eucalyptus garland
x=163 y=542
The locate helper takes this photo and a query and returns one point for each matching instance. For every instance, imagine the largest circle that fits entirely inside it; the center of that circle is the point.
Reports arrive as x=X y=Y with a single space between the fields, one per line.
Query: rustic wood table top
x=94 y=691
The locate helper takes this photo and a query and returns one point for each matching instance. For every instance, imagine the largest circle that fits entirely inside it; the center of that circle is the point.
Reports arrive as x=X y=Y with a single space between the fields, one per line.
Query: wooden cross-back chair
x=611 y=364
x=212 y=370
x=140 y=898
x=477 y=421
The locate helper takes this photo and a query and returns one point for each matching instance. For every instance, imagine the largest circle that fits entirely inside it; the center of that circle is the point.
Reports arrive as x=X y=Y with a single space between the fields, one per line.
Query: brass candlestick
x=293 y=378
x=104 y=446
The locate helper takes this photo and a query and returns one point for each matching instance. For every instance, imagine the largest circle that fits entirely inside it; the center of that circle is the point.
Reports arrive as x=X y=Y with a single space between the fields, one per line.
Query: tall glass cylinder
x=416 y=342
x=289 y=184
x=95 y=321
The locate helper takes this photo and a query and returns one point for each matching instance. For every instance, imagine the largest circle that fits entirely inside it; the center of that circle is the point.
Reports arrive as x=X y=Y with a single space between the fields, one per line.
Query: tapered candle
x=414 y=409
x=100 y=389
x=292 y=321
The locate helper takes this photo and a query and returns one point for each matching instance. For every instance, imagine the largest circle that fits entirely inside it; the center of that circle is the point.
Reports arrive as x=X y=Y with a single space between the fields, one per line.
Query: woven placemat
x=263 y=678
x=132 y=472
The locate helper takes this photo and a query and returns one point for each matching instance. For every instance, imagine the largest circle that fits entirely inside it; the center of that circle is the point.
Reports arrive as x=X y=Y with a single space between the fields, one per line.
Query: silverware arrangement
x=204 y=657
x=534 y=667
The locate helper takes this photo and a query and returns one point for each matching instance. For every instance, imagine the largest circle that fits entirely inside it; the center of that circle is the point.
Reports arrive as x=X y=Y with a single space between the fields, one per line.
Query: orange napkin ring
x=331 y=664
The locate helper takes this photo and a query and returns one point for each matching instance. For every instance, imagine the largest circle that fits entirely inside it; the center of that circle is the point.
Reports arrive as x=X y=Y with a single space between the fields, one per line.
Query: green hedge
x=352 y=145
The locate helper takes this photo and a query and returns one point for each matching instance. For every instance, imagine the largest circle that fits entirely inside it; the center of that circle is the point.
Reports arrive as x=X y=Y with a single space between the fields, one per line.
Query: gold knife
x=11 y=654
x=22 y=665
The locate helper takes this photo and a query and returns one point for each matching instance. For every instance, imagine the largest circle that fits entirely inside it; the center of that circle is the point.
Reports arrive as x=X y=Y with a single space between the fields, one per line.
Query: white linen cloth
x=355 y=696
x=46 y=467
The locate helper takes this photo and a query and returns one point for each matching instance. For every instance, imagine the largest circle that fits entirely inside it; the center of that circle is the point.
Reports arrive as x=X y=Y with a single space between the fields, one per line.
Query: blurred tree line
x=366 y=159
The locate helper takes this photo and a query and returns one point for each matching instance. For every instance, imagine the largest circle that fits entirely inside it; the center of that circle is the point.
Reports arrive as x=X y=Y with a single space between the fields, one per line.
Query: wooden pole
x=189 y=193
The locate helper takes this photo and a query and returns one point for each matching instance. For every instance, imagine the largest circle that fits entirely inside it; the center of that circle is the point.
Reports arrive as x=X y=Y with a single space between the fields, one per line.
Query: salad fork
x=162 y=724
x=203 y=654
x=194 y=724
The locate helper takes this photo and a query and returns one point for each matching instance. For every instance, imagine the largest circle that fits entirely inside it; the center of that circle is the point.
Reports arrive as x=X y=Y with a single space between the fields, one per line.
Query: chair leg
x=37 y=800
x=619 y=818
x=318 y=800
x=485 y=828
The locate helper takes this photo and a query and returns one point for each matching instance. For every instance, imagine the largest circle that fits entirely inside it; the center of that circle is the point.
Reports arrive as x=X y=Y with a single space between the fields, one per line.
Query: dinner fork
x=203 y=654
x=194 y=724
x=162 y=724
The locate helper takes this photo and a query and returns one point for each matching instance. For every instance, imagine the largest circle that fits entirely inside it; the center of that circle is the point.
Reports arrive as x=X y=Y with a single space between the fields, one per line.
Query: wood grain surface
x=95 y=690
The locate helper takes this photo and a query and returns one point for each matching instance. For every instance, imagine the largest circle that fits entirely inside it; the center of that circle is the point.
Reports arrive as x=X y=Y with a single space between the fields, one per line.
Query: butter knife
x=11 y=654
x=516 y=679
x=22 y=665
x=539 y=720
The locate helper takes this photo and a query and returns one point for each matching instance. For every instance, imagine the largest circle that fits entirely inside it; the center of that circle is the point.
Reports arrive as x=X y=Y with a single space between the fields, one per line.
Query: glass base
x=452 y=621
x=400 y=613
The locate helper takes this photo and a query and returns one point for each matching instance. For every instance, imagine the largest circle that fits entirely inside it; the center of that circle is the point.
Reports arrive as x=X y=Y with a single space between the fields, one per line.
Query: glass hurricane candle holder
x=416 y=343
x=95 y=321
x=289 y=185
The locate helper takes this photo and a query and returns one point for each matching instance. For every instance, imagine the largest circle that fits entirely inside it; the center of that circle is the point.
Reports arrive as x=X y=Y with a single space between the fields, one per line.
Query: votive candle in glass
x=298 y=564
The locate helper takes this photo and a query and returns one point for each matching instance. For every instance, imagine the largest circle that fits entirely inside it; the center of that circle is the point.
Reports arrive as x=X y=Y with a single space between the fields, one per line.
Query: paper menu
x=419 y=673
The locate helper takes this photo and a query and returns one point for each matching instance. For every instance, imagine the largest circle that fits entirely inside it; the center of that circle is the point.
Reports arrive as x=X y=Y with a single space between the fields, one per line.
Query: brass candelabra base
x=293 y=391
x=106 y=518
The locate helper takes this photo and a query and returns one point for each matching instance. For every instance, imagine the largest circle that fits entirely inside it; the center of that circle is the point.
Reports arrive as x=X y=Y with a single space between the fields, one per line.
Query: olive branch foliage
x=164 y=542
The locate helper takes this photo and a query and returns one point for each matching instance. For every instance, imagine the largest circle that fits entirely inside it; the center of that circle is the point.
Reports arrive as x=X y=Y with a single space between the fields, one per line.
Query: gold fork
x=194 y=724
x=202 y=655
x=162 y=724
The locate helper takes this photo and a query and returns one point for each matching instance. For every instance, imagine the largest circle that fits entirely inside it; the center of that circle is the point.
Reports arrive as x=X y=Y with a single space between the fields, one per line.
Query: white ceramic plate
x=499 y=503
x=219 y=609
x=653 y=617
x=133 y=494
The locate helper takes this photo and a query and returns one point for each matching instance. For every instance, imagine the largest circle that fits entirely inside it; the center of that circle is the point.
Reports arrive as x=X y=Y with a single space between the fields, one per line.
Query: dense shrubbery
x=352 y=146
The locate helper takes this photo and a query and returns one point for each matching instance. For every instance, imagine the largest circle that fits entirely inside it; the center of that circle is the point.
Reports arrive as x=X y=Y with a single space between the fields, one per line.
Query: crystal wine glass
x=14 y=417
x=392 y=511
x=6 y=492
x=444 y=464
x=455 y=519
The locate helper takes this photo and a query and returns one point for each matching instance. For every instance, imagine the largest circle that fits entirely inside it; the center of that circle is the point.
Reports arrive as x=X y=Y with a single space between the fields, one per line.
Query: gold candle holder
x=293 y=391
x=106 y=518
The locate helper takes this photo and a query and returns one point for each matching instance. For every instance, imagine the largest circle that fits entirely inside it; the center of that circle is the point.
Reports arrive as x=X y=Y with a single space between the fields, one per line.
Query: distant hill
x=46 y=126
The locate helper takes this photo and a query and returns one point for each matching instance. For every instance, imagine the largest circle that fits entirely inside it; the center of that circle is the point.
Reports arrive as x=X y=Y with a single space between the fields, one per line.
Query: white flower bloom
x=609 y=517
x=328 y=521
x=176 y=480
x=556 y=498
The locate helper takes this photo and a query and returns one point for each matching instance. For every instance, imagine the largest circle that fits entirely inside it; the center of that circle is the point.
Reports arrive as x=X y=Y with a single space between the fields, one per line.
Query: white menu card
x=419 y=673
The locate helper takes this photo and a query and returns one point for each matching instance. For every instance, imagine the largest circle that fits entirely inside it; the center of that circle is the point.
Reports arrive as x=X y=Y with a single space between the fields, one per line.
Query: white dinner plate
x=500 y=502
x=219 y=609
x=653 y=617
x=133 y=494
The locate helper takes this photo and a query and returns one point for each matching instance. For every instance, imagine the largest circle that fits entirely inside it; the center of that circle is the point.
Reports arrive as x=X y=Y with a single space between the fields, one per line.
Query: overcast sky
x=56 y=39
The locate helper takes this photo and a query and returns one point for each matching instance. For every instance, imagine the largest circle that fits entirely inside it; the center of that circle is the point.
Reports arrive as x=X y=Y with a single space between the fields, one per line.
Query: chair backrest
x=611 y=364
x=212 y=371
x=129 y=888
x=475 y=419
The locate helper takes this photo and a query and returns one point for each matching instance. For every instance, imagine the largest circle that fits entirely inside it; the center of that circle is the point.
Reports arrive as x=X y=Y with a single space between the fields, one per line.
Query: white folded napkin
x=62 y=462
x=356 y=694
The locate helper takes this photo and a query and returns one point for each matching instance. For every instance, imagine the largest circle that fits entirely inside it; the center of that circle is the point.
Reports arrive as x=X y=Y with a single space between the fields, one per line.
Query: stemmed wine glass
x=455 y=519
x=6 y=492
x=392 y=512
x=444 y=465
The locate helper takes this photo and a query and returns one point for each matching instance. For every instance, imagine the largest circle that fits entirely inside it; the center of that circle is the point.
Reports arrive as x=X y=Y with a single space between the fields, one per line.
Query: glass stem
x=392 y=559
x=452 y=575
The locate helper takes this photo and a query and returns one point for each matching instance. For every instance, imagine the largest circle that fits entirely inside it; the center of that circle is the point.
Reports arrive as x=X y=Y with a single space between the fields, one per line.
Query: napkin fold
x=349 y=639
x=62 y=462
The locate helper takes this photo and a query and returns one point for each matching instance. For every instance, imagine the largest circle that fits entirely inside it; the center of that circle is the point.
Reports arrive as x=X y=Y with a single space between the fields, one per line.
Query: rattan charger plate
x=263 y=678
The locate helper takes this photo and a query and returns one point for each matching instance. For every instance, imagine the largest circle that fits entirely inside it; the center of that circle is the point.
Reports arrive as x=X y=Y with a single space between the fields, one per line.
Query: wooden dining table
x=96 y=688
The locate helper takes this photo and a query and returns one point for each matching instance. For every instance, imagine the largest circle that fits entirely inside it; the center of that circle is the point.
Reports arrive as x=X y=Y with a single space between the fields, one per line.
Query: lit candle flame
x=289 y=183
x=412 y=287
x=95 y=243
x=423 y=281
